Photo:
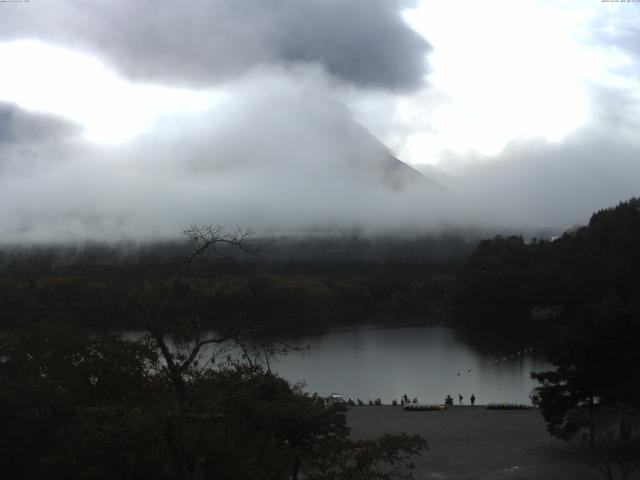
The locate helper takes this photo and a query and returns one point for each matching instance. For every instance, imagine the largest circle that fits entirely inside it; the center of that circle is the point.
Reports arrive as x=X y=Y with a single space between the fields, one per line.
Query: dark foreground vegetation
x=79 y=405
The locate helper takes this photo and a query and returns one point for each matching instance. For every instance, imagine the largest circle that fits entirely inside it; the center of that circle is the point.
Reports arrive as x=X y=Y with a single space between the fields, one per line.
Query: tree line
x=283 y=296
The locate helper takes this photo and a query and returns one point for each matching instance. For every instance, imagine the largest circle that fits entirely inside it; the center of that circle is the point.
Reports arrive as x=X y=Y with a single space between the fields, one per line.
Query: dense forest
x=293 y=296
x=329 y=284
x=584 y=264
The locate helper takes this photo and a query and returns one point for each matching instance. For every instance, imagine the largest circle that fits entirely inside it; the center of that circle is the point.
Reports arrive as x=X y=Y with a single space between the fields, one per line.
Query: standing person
x=460 y=398
x=473 y=399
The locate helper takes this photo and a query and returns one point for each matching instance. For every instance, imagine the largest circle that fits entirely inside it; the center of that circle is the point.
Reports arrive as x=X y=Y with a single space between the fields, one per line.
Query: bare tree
x=188 y=342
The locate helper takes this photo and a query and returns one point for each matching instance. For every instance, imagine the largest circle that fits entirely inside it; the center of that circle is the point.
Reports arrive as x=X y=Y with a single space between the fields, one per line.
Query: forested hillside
x=315 y=282
x=587 y=263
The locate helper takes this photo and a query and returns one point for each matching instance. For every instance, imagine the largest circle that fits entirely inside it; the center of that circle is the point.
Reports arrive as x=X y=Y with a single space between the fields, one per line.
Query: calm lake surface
x=423 y=362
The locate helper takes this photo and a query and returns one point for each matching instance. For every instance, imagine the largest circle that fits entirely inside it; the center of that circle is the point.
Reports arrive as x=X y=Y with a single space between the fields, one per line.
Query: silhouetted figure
x=473 y=399
x=448 y=400
x=460 y=398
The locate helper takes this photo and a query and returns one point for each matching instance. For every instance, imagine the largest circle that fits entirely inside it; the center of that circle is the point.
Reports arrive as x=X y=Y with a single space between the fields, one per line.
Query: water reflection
x=423 y=362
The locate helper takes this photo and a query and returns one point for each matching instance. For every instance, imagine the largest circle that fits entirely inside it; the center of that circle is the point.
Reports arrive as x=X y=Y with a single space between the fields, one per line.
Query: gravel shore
x=473 y=443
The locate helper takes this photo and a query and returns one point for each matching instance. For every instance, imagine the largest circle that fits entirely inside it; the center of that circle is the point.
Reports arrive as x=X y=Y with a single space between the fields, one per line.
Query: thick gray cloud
x=364 y=42
x=19 y=126
x=536 y=184
x=618 y=29
x=25 y=136
x=225 y=166
x=323 y=171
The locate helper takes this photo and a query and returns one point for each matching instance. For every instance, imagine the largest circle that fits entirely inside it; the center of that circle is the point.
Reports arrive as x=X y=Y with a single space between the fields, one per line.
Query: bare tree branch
x=202 y=239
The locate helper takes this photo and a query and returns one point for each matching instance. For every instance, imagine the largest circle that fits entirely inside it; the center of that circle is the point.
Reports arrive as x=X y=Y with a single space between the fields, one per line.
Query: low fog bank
x=327 y=248
x=535 y=184
x=282 y=159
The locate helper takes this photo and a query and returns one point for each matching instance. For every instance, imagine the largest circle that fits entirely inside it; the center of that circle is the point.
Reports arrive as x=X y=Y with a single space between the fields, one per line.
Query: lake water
x=423 y=362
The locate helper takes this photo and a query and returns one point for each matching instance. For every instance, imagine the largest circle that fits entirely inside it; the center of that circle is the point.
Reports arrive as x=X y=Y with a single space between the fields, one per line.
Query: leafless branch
x=196 y=349
x=207 y=238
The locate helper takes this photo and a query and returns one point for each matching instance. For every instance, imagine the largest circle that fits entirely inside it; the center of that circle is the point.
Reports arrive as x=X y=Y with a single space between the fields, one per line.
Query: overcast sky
x=133 y=119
